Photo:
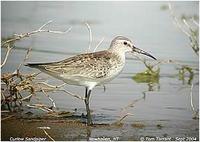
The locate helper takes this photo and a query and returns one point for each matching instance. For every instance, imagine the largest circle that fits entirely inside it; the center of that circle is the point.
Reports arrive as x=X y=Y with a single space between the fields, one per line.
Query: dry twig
x=41 y=107
x=53 y=102
x=48 y=135
x=44 y=130
x=91 y=39
x=90 y=36
x=71 y=94
x=123 y=117
x=2 y=119
x=176 y=20
x=195 y=22
x=23 y=35
x=39 y=30
x=17 y=82
x=56 y=88
x=7 y=54
x=100 y=42
x=192 y=34
x=52 y=86
x=131 y=104
x=195 y=113
x=25 y=58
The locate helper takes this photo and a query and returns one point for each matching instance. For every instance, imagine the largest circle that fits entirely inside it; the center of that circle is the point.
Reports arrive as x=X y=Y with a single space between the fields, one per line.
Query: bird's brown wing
x=91 y=65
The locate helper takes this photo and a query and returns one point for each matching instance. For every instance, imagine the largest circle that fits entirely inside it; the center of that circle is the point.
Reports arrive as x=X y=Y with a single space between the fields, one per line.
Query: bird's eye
x=125 y=43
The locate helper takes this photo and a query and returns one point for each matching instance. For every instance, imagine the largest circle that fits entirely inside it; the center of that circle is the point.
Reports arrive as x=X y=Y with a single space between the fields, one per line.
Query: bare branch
x=27 y=97
x=23 y=35
x=123 y=117
x=55 y=88
x=48 y=135
x=27 y=54
x=195 y=112
x=44 y=130
x=57 y=32
x=41 y=29
x=25 y=58
x=188 y=26
x=41 y=107
x=53 y=102
x=131 y=104
x=51 y=86
x=2 y=119
x=2 y=95
x=44 y=127
x=47 y=23
x=176 y=20
x=71 y=94
x=90 y=36
x=7 y=54
x=195 y=22
x=187 y=29
x=191 y=100
x=4 y=111
x=98 y=44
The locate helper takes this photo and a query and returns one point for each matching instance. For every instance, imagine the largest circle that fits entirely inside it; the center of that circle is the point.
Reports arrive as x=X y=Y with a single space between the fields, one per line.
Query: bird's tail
x=34 y=65
x=31 y=64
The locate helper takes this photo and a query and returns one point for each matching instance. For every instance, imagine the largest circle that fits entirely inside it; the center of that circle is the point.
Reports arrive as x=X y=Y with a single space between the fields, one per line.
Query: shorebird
x=91 y=69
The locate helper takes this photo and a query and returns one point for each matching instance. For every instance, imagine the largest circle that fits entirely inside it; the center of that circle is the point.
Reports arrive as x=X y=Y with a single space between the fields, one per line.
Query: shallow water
x=150 y=28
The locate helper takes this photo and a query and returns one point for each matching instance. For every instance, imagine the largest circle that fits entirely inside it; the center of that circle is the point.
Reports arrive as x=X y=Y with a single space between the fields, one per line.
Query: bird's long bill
x=135 y=49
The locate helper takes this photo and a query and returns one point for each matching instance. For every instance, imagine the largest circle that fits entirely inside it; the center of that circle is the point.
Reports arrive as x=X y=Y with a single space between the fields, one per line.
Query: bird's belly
x=78 y=80
x=73 y=80
x=87 y=81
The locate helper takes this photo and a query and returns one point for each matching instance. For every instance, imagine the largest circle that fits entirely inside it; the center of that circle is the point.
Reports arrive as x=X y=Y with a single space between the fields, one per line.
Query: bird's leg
x=87 y=97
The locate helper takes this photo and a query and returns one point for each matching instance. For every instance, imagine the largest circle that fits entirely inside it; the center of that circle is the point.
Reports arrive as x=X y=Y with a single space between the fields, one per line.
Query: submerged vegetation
x=183 y=74
x=150 y=75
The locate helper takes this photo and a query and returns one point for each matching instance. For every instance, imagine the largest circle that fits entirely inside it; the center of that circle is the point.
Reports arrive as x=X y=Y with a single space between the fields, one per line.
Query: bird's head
x=122 y=44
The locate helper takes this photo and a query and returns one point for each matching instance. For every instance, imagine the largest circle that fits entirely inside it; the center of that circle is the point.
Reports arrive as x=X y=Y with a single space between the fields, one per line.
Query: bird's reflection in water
x=88 y=131
x=153 y=86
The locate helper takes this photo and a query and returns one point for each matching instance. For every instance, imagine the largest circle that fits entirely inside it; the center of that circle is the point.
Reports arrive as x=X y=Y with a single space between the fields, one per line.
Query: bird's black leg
x=87 y=97
x=86 y=91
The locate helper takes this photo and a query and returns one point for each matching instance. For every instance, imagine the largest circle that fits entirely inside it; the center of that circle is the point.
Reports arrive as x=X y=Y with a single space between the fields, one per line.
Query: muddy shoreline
x=65 y=129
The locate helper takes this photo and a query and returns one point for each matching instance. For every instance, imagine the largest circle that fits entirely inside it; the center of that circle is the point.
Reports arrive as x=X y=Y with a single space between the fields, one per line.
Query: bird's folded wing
x=87 y=65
